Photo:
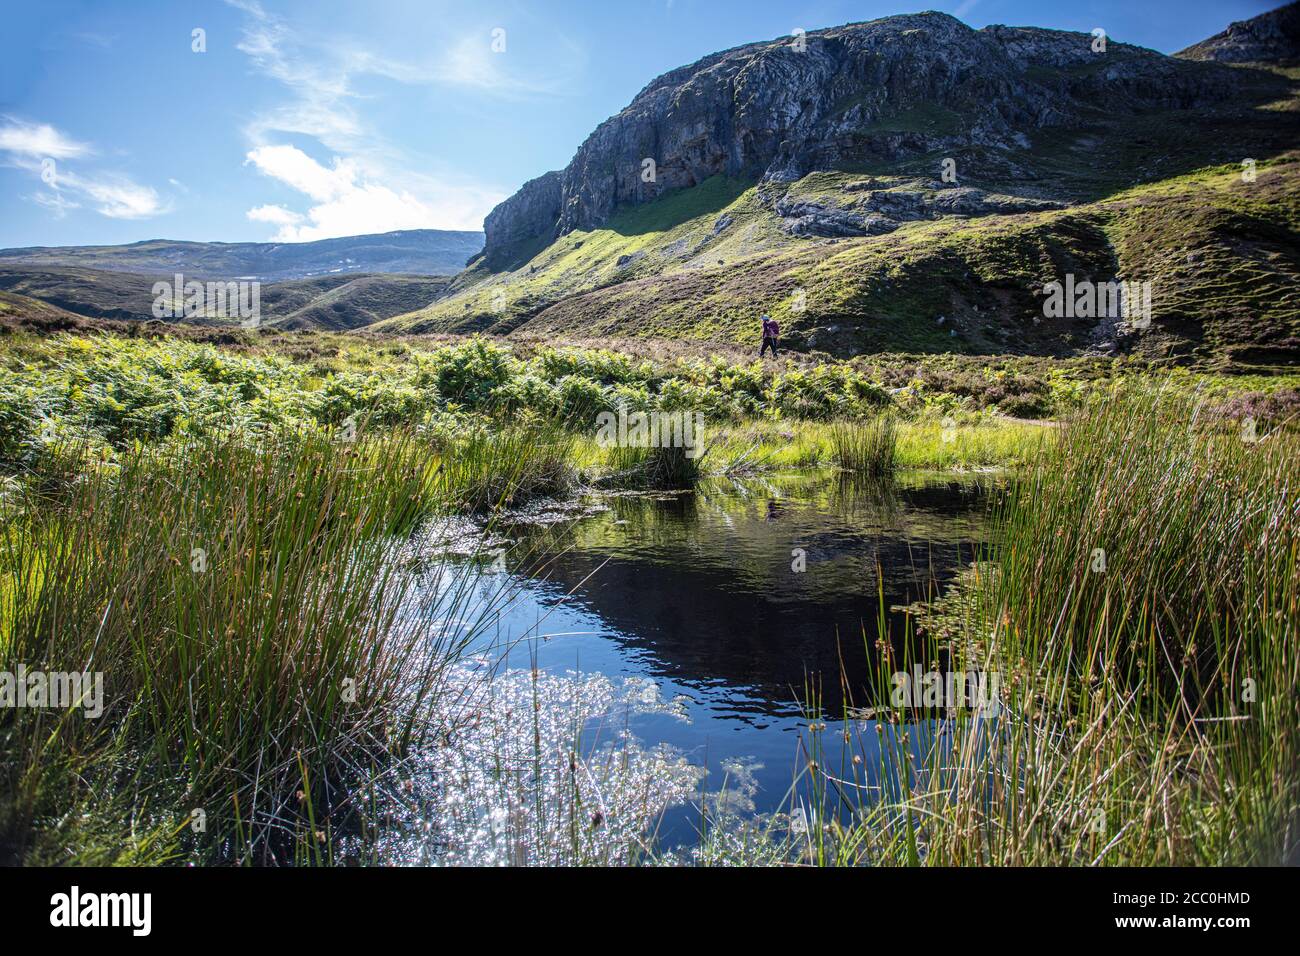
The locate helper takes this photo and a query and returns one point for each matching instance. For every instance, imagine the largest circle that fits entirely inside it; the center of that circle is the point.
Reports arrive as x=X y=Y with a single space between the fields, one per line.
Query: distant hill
x=342 y=301
x=411 y=251
x=346 y=302
x=23 y=307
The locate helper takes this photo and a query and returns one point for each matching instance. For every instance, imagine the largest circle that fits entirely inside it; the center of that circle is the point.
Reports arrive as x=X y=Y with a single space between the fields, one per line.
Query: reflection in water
x=759 y=587
x=736 y=598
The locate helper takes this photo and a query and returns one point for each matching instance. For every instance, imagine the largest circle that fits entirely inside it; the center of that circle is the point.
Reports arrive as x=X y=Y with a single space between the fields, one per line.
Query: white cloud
x=321 y=88
x=321 y=74
x=468 y=62
x=348 y=204
x=41 y=149
x=38 y=140
x=471 y=62
x=54 y=202
x=371 y=185
x=116 y=196
x=294 y=167
x=275 y=215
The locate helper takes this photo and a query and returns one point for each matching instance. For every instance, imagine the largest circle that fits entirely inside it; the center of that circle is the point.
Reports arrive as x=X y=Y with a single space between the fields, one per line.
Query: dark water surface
x=699 y=592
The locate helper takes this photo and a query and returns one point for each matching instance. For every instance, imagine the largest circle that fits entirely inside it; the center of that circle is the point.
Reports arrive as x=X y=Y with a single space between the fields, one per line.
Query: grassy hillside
x=704 y=263
x=41 y=314
x=1151 y=196
x=87 y=292
x=344 y=301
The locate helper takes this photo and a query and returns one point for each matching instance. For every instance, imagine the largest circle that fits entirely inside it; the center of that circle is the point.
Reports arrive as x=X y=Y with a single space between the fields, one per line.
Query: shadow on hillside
x=678 y=207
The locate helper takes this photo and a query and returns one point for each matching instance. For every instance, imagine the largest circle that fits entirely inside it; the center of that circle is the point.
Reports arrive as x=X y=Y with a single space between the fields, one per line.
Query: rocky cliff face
x=895 y=87
x=1269 y=37
x=523 y=216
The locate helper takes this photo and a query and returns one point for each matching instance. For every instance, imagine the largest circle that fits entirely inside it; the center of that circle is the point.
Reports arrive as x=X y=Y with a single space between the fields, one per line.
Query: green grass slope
x=25 y=309
x=346 y=301
x=1220 y=253
x=335 y=302
x=1156 y=196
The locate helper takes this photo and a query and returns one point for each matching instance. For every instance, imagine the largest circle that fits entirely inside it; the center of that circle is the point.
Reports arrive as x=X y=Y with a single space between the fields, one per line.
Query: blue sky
x=305 y=119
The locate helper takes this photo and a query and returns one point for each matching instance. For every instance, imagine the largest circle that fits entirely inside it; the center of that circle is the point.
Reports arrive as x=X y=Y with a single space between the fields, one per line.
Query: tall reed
x=248 y=612
x=1140 y=604
x=484 y=470
x=653 y=467
x=866 y=447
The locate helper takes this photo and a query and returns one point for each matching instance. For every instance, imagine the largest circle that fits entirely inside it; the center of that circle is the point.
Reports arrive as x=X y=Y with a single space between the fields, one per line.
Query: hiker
x=771 y=333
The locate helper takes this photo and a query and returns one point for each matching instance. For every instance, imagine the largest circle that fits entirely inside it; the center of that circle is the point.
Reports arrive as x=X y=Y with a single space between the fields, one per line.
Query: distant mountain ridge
x=411 y=251
x=1270 y=37
x=338 y=301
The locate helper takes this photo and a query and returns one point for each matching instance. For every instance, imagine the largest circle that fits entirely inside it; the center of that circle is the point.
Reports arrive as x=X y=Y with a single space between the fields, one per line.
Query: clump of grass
x=1172 y=536
x=865 y=447
x=653 y=467
x=260 y=659
x=1148 y=708
x=486 y=470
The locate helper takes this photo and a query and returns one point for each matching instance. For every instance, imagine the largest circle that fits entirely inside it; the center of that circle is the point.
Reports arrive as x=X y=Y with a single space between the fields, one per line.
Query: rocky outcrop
x=523 y=216
x=821 y=219
x=868 y=211
x=890 y=88
x=1272 y=37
